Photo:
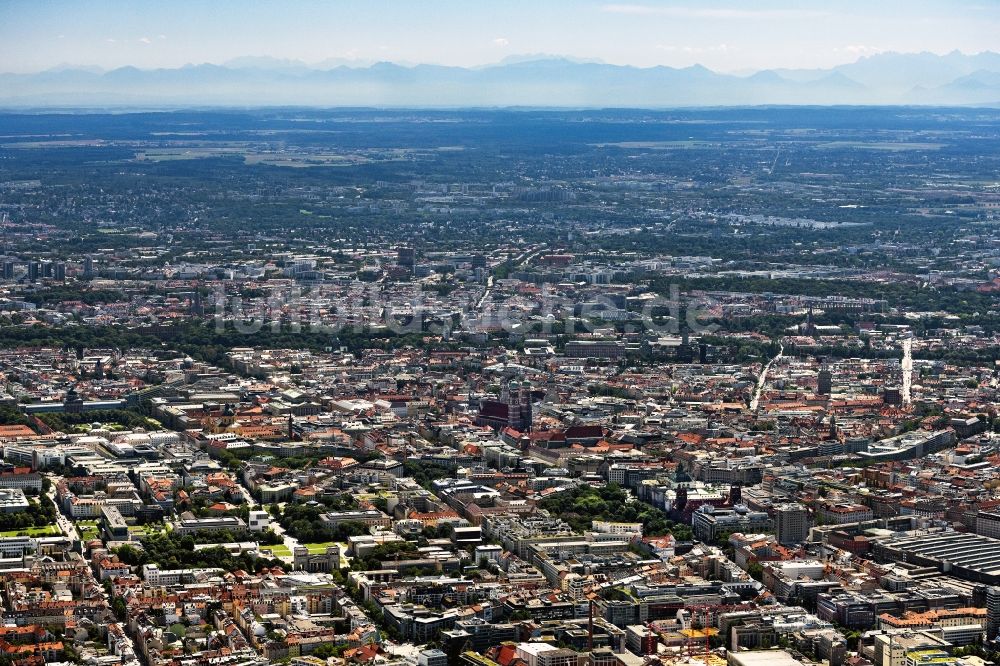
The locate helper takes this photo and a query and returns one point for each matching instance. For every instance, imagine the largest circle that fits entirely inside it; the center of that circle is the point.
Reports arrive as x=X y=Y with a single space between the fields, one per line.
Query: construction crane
x=705 y=609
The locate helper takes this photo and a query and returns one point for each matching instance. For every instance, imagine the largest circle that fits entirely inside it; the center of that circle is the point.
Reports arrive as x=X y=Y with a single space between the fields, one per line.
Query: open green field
x=192 y=152
x=318 y=548
x=658 y=145
x=250 y=155
x=48 y=530
x=303 y=160
x=149 y=530
x=892 y=146
x=88 y=529
x=280 y=550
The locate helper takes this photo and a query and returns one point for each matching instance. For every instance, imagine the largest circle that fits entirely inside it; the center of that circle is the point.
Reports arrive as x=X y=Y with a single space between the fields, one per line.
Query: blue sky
x=734 y=35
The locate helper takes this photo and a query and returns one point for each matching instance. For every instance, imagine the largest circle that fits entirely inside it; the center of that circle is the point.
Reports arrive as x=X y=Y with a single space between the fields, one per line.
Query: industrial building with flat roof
x=963 y=555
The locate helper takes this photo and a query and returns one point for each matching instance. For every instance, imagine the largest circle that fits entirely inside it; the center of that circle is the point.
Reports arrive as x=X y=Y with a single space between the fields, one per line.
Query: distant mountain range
x=542 y=80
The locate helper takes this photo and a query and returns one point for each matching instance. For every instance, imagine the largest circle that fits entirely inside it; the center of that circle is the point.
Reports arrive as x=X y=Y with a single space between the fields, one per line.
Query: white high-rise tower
x=907 y=367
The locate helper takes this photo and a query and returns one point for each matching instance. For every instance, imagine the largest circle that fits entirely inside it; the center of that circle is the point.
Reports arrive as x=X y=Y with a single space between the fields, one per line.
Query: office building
x=709 y=522
x=992 y=612
x=791 y=524
x=824 y=382
x=432 y=657
x=988 y=524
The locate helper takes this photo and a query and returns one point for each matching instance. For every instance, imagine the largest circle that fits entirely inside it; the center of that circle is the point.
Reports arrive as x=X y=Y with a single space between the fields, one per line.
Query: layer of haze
x=734 y=36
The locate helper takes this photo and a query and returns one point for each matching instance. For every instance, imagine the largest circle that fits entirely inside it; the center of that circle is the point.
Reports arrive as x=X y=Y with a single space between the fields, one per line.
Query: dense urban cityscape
x=524 y=386
x=578 y=400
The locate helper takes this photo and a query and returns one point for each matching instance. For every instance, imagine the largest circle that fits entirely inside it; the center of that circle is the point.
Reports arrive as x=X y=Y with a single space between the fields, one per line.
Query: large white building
x=708 y=522
x=12 y=500
x=608 y=527
x=258 y=521
x=153 y=575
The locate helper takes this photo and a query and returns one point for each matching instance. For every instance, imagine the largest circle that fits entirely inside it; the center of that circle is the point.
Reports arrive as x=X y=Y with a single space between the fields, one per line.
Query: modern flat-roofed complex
x=963 y=555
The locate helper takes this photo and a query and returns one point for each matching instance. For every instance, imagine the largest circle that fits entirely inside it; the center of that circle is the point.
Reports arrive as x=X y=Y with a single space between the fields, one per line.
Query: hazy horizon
x=730 y=37
x=265 y=61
